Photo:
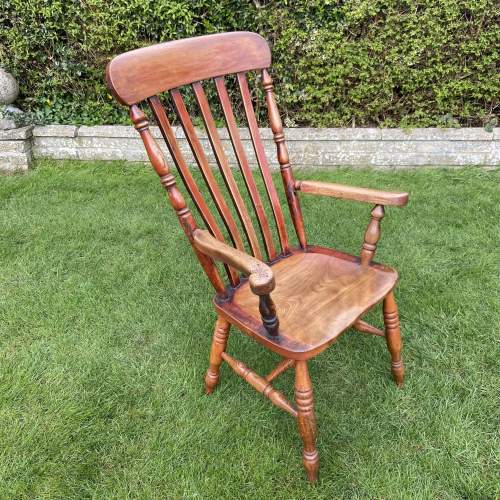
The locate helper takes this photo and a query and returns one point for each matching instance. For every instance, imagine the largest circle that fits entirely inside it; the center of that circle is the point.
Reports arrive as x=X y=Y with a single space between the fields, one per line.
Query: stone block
x=436 y=134
x=16 y=134
x=55 y=131
x=14 y=146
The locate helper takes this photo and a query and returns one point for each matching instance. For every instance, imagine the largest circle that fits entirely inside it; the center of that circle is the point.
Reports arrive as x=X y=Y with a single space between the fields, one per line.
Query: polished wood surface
x=283 y=160
x=306 y=419
x=246 y=171
x=225 y=169
x=372 y=235
x=261 y=278
x=208 y=175
x=282 y=366
x=294 y=300
x=317 y=297
x=260 y=384
x=393 y=337
x=263 y=164
x=219 y=343
x=142 y=73
x=352 y=193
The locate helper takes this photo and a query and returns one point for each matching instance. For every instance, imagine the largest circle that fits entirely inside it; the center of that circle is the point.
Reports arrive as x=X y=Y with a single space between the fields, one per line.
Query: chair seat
x=319 y=294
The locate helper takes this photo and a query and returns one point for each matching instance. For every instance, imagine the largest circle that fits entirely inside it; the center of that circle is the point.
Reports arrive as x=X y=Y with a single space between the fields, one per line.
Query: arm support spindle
x=260 y=275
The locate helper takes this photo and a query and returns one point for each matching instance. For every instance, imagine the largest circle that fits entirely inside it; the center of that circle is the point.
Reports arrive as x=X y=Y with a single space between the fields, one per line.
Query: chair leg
x=393 y=337
x=219 y=342
x=306 y=419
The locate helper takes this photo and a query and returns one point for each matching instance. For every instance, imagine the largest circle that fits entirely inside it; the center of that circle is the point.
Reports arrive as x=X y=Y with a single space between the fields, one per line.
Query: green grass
x=105 y=328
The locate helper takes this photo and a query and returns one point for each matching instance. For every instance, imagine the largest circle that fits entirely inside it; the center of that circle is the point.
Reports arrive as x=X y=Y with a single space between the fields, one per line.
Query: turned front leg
x=393 y=337
x=306 y=419
x=219 y=342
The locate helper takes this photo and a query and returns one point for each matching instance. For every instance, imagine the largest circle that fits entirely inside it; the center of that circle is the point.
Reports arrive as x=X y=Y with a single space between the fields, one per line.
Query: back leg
x=393 y=337
x=219 y=342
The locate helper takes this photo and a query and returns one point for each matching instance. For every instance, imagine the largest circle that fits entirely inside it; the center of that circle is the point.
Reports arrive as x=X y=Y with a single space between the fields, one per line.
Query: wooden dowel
x=372 y=235
x=364 y=327
x=282 y=366
x=259 y=383
x=283 y=159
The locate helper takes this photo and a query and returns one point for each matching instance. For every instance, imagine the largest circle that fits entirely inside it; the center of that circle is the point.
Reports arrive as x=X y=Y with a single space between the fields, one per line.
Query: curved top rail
x=142 y=73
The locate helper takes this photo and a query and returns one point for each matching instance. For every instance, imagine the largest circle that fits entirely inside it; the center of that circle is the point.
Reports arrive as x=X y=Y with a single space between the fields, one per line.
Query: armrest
x=260 y=275
x=352 y=193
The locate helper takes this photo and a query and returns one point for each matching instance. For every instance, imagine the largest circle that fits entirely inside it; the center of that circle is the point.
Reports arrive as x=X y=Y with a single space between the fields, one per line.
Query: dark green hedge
x=336 y=63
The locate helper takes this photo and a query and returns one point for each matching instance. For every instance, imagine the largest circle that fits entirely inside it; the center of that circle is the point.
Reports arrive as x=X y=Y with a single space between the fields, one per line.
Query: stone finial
x=9 y=88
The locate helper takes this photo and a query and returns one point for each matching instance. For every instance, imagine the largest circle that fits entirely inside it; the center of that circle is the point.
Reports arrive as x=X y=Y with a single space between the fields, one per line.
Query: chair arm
x=352 y=193
x=260 y=275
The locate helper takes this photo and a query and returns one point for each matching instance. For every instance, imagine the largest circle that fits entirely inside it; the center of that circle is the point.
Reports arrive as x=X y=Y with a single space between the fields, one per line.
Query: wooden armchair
x=295 y=300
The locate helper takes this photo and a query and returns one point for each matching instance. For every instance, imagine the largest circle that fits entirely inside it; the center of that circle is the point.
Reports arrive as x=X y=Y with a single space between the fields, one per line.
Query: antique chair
x=295 y=300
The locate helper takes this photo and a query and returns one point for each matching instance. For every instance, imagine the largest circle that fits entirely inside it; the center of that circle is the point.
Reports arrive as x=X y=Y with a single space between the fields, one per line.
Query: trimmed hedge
x=337 y=63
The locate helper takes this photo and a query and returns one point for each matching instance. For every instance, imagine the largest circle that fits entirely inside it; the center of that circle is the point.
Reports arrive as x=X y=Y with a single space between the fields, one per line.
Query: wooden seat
x=339 y=290
x=291 y=296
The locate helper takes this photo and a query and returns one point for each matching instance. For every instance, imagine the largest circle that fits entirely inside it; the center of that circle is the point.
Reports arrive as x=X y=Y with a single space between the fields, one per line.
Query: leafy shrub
x=337 y=63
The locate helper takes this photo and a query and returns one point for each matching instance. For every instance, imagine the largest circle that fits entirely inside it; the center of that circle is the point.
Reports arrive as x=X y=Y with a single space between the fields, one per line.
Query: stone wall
x=16 y=152
x=357 y=147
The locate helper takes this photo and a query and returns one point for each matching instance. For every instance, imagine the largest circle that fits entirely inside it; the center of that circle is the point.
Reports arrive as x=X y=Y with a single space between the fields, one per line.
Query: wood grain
x=265 y=171
x=317 y=297
x=261 y=278
x=219 y=343
x=246 y=171
x=142 y=73
x=317 y=292
x=225 y=170
x=283 y=159
x=393 y=337
x=352 y=193
x=306 y=419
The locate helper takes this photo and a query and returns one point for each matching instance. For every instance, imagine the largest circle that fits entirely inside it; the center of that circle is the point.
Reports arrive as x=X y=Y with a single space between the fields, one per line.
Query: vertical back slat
x=245 y=167
x=263 y=164
x=225 y=169
x=206 y=171
x=186 y=175
x=186 y=219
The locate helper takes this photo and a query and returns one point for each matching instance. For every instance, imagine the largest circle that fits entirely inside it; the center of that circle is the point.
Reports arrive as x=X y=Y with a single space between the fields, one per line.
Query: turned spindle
x=283 y=159
x=268 y=314
x=372 y=235
x=393 y=337
x=219 y=343
x=306 y=419
x=259 y=383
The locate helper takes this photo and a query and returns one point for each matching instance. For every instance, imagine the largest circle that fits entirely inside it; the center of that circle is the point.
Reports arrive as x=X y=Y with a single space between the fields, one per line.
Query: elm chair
x=295 y=300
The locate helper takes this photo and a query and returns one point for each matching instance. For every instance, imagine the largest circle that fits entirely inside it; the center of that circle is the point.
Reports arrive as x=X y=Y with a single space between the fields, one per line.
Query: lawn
x=105 y=328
